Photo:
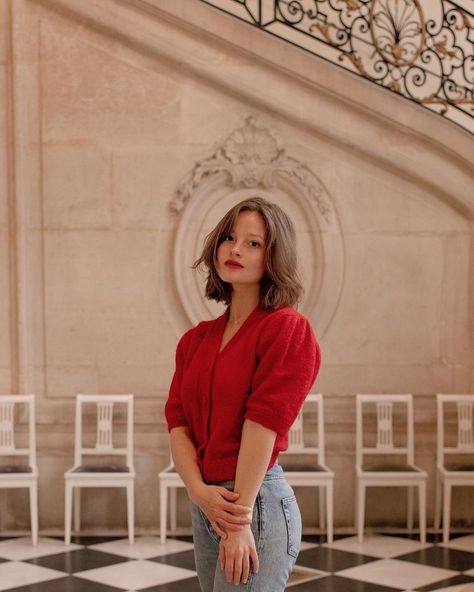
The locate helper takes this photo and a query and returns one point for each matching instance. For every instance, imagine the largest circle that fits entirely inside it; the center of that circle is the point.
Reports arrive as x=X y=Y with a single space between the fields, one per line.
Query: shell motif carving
x=251 y=156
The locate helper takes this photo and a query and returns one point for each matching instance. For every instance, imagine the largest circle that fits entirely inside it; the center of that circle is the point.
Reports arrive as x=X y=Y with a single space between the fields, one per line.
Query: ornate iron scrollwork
x=420 y=49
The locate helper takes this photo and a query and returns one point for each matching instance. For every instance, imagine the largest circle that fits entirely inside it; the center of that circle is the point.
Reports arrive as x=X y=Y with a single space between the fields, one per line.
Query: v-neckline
x=225 y=318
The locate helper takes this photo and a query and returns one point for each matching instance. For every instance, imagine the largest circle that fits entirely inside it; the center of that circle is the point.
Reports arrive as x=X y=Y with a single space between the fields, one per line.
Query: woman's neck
x=242 y=304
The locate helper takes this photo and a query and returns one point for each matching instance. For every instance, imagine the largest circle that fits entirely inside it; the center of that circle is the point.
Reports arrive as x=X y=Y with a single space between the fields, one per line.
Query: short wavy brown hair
x=280 y=285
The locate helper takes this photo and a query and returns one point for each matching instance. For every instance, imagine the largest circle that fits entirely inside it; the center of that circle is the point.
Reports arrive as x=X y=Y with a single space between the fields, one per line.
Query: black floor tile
x=441 y=557
x=327 y=559
x=79 y=560
x=461 y=579
x=184 y=559
x=187 y=585
x=184 y=538
x=67 y=584
x=318 y=539
x=92 y=540
x=339 y=584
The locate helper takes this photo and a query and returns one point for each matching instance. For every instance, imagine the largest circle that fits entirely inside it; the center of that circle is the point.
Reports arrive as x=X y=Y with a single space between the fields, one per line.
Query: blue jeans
x=276 y=526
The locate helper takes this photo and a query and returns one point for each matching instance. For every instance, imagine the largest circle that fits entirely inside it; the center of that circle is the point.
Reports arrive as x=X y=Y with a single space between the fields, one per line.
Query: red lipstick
x=231 y=263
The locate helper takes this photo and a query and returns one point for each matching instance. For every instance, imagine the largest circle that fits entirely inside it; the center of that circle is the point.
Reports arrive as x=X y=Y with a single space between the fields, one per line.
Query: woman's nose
x=235 y=250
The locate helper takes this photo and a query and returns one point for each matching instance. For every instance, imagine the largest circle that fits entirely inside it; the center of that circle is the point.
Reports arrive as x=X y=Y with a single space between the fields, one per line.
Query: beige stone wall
x=113 y=108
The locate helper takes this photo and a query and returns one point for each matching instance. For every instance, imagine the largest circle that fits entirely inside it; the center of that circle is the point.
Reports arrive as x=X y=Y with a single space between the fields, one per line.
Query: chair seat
x=458 y=467
x=101 y=469
x=15 y=469
x=389 y=468
x=172 y=475
x=290 y=467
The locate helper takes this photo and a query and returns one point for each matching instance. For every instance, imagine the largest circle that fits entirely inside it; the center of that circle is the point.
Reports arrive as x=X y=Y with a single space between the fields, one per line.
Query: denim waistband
x=275 y=472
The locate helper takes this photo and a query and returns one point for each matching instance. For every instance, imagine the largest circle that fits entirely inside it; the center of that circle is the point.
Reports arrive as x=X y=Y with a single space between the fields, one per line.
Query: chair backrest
x=104 y=444
x=296 y=440
x=9 y=405
x=463 y=426
x=382 y=407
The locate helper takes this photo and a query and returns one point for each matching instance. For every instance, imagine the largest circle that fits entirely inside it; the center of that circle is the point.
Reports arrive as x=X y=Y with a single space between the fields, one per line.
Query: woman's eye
x=228 y=237
x=254 y=244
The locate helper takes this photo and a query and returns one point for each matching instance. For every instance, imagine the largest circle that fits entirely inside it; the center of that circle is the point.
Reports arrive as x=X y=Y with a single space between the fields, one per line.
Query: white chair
x=101 y=473
x=305 y=466
x=454 y=438
x=312 y=473
x=19 y=475
x=370 y=473
x=170 y=481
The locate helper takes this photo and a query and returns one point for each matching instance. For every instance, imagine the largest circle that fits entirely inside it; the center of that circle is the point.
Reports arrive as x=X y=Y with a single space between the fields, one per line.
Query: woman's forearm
x=251 y=467
x=183 y=451
x=217 y=503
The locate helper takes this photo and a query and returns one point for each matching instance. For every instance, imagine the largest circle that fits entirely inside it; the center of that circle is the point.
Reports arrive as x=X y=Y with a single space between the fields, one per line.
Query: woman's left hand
x=237 y=554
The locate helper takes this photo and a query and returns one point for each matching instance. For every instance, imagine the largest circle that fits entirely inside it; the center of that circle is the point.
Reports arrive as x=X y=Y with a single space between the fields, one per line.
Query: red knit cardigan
x=263 y=374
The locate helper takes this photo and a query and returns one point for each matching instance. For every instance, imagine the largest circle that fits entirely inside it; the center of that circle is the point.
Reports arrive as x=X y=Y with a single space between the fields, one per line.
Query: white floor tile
x=398 y=574
x=22 y=548
x=464 y=543
x=143 y=547
x=136 y=574
x=301 y=574
x=14 y=574
x=380 y=546
x=457 y=588
x=305 y=545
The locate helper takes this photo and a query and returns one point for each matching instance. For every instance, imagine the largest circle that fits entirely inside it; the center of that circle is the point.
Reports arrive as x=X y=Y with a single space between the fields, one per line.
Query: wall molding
x=253 y=160
x=294 y=94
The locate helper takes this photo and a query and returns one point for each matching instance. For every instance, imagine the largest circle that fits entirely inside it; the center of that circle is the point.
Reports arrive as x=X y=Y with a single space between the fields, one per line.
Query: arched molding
x=305 y=92
x=253 y=161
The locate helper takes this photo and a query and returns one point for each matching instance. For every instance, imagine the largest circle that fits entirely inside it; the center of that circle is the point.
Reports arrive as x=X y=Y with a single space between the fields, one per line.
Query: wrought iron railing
x=420 y=49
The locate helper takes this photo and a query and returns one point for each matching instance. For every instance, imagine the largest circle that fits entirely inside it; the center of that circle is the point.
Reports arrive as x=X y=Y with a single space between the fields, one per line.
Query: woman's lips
x=234 y=264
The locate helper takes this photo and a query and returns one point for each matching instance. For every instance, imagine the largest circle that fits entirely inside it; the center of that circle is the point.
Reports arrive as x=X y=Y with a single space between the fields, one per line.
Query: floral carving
x=251 y=157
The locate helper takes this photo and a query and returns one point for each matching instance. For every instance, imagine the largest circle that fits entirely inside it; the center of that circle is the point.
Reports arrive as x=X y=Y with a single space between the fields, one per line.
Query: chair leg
x=322 y=507
x=446 y=510
x=410 y=505
x=68 y=513
x=438 y=501
x=330 y=511
x=77 y=509
x=173 y=508
x=360 y=511
x=34 y=512
x=163 y=511
x=131 y=511
x=422 y=511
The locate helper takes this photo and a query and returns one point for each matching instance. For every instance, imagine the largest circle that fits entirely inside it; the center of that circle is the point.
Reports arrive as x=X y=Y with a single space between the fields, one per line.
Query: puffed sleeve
x=174 y=412
x=288 y=361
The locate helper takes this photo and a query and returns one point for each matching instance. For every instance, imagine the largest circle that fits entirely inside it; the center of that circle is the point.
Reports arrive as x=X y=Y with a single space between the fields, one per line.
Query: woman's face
x=241 y=255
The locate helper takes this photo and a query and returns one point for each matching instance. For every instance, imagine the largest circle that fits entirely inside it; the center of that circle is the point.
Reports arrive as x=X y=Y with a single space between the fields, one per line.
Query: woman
x=240 y=381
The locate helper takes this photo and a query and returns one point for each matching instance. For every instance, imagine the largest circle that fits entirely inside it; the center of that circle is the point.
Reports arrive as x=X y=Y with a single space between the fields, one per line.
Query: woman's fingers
x=236 y=509
x=227 y=494
x=218 y=529
x=245 y=568
x=229 y=568
x=255 y=561
x=222 y=556
x=236 y=519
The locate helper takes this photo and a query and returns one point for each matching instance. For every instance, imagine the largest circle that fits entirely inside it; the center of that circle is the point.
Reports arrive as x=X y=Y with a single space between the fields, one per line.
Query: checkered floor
x=379 y=564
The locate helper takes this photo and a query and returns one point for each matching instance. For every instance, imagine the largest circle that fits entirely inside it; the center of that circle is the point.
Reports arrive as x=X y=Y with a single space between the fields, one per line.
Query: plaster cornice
x=300 y=89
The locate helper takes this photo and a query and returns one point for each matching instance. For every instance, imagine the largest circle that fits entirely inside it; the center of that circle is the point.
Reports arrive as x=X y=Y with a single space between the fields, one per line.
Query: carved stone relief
x=251 y=161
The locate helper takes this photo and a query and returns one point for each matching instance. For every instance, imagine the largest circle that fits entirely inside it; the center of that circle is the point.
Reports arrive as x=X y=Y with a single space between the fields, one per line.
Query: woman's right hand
x=218 y=504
